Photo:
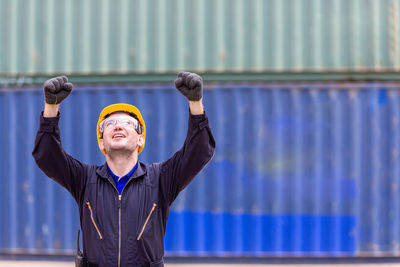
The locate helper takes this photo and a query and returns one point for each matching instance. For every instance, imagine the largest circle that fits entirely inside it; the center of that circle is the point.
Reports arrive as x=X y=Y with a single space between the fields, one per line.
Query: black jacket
x=126 y=229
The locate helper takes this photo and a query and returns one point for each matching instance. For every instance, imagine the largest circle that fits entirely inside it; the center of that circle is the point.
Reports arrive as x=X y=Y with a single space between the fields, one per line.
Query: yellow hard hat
x=121 y=107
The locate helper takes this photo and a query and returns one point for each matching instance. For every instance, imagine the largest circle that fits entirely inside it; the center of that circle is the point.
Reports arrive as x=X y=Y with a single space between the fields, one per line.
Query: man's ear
x=101 y=144
x=140 y=140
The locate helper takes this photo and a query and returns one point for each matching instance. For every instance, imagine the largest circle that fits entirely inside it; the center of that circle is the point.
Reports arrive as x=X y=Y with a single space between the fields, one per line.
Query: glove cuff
x=195 y=96
x=51 y=100
x=201 y=98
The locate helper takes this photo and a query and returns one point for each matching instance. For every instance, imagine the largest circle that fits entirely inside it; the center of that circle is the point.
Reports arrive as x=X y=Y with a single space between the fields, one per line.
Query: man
x=124 y=204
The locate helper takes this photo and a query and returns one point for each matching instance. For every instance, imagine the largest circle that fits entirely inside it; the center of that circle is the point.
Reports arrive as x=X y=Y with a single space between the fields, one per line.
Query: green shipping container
x=43 y=37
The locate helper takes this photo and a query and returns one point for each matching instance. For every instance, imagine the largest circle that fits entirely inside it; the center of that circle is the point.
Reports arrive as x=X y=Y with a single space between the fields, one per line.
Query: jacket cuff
x=49 y=125
x=198 y=121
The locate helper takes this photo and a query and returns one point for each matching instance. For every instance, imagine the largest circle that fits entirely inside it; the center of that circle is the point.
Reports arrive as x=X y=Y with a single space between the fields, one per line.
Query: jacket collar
x=103 y=172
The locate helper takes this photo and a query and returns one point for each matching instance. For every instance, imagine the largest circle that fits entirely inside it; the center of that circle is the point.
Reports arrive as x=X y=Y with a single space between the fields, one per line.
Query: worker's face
x=119 y=134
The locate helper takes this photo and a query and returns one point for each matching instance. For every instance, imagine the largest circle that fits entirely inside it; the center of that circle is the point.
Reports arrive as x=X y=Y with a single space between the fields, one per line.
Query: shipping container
x=157 y=36
x=301 y=169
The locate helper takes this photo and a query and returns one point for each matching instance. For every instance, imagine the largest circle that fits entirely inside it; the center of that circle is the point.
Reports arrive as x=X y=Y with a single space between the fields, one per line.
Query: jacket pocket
x=147 y=220
x=91 y=217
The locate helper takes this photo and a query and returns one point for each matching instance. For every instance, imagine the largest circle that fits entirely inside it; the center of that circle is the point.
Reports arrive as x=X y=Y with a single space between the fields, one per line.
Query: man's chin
x=119 y=150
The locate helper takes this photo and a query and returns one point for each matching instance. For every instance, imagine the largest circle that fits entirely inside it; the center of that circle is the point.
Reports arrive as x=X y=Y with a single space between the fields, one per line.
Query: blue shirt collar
x=116 y=178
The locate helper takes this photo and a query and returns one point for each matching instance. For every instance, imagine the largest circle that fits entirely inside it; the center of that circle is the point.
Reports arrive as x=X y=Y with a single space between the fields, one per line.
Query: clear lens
x=124 y=122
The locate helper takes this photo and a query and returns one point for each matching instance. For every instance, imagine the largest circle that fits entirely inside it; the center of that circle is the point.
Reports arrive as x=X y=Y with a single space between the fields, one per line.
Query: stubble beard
x=120 y=153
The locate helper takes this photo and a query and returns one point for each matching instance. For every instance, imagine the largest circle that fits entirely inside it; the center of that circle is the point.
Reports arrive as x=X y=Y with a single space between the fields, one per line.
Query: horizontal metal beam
x=6 y=81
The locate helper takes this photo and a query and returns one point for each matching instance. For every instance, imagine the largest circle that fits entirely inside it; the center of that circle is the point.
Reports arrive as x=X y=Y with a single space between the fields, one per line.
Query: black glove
x=57 y=89
x=190 y=85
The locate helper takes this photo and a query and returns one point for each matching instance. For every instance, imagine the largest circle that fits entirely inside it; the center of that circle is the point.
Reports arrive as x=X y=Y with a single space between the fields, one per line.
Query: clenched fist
x=190 y=85
x=57 y=89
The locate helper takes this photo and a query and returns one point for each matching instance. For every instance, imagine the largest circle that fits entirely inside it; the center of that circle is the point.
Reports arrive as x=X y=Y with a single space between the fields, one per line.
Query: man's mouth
x=116 y=136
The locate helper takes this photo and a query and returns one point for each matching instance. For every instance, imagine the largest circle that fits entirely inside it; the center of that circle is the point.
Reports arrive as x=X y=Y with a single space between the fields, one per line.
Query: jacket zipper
x=147 y=220
x=119 y=219
x=119 y=223
x=119 y=231
x=94 y=223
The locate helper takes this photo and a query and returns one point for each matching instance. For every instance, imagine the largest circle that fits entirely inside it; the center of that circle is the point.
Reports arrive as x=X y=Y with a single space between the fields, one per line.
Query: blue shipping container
x=299 y=170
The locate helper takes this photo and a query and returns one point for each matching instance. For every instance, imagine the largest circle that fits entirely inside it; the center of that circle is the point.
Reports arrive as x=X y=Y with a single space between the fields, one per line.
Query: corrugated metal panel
x=299 y=170
x=159 y=36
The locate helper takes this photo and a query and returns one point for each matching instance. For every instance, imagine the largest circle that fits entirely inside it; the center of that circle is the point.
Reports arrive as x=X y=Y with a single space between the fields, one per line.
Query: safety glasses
x=124 y=122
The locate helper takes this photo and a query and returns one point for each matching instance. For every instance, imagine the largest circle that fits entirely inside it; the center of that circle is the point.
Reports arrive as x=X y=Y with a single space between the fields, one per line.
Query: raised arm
x=199 y=146
x=48 y=151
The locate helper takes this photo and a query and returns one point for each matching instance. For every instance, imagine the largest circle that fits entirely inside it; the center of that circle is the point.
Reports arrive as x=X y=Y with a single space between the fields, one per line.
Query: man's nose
x=118 y=125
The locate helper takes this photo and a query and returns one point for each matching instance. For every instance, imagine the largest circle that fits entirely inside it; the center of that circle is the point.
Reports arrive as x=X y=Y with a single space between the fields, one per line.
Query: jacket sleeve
x=198 y=149
x=54 y=161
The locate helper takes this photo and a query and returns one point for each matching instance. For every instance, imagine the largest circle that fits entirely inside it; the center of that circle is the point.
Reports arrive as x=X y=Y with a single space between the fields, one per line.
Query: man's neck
x=121 y=165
